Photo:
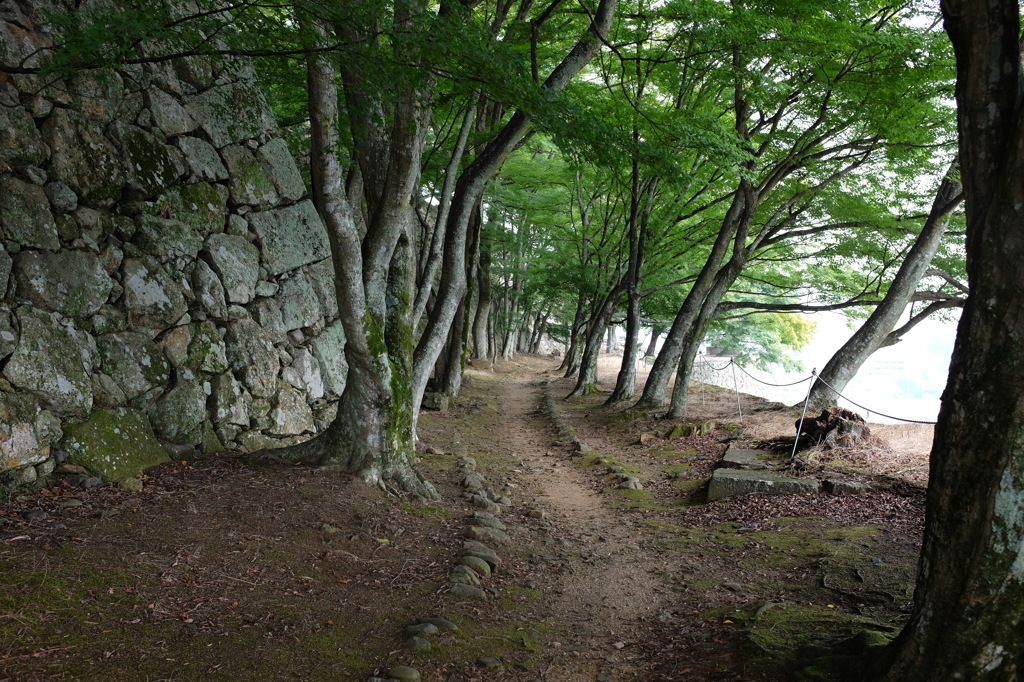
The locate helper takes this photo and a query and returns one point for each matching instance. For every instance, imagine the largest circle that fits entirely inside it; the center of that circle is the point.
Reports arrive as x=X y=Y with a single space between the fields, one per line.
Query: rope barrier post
x=736 y=385
x=800 y=426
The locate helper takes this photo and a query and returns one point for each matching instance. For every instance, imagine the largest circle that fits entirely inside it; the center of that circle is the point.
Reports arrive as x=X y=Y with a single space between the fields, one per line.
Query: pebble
x=603 y=677
x=34 y=515
x=465 y=575
x=442 y=624
x=491 y=663
x=619 y=645
x=481 y=502
x=71 y=502
x=422 y=629
x=735 y=587
x=404 y=673
x=476 y=564
x=468 y=591
x=415 y=644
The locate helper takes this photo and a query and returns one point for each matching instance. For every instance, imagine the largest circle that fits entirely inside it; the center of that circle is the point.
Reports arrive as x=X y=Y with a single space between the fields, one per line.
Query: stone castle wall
x=162 y=271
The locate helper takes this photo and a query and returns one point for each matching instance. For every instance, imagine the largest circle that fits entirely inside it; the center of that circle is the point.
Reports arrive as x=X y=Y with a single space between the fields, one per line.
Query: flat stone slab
x=732 y=482
x=738 y=458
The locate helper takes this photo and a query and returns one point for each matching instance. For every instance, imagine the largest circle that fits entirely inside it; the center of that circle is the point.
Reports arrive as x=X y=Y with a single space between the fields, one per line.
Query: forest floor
x=218 y=570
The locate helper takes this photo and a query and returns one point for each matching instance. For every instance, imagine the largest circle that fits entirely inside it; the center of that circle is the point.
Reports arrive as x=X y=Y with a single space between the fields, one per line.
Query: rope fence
x=705 y=373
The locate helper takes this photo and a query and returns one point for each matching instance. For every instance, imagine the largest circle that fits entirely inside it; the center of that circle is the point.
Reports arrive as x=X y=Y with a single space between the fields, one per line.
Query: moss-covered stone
x=72 y=283
x=178 y=414
x=206 y=350
x=149 y=165
x=116 y=445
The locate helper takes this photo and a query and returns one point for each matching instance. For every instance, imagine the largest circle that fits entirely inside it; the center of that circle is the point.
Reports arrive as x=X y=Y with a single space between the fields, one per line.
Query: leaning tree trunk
x=586 y=382
x=571 y=363
x=656 y=331
x=655 y=393
x=843 y=366
x=470 y=187
x=372 y=434
x=968 y=617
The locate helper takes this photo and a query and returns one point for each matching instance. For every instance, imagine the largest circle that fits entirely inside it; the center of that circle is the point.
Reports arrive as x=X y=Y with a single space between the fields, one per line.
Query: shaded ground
x=222 y=571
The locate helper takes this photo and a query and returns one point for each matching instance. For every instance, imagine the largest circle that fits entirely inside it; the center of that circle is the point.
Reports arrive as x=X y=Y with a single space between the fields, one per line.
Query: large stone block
x=166 y=238
x=207 y=352
x=278 y=162
x=26 y=432
x=304 y=374
x=116 y=445
x=150 y=165
x=178 y=414
x=52 y=361
x=291 y=414
x=134 y=362
x=20 y=141
x=329 y=350
x=200 y=205
x=168 y=113
x=732 y=482
x=83 y=158
x=72 y=283
x=229 y=402
x=237 y=262
x=232 y=113
x=321 y=276
x=153 y=297
x=290 y=237
x=298 y=302
x=252 y=357
x=209 y=291
x=248 y=181
x=25 y=216
x=203 y=160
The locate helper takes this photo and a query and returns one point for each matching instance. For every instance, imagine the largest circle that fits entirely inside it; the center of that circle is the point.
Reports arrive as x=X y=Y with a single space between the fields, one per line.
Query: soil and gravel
x=220 y=570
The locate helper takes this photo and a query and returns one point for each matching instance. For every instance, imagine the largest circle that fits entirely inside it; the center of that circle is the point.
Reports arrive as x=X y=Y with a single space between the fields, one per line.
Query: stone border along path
x=602 y=580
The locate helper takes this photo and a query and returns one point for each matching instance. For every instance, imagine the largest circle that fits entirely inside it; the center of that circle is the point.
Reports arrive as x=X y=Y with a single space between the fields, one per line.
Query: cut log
x=835 y=427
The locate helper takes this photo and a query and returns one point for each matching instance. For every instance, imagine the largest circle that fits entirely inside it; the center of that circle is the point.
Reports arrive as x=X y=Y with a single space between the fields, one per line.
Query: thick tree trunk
x=372 y=435
x=698 y=330
x=655 y=392
x=625 y=382
x=969 y=604
x=842 y=367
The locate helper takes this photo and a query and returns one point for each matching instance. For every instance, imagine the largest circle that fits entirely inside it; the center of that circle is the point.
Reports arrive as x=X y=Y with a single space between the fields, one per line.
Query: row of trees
x=709 y=159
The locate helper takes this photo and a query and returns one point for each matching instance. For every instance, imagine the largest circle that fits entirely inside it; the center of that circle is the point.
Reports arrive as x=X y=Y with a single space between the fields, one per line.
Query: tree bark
x=372 y=434
x=586 y=381
x=470 y=187
x=481 y=321
x=966 y=622
x=873 y=334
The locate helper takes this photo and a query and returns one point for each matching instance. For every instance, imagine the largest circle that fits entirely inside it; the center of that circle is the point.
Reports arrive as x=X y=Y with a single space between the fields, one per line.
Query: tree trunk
x=571 y=362
x=969 y=604
x=372 y=434
x=481 y=321
x=843 y=366
x=538 y=336
x=697 y=331
x=656 y=333
x=470 y=187
x=586 y=382
x=655 y=392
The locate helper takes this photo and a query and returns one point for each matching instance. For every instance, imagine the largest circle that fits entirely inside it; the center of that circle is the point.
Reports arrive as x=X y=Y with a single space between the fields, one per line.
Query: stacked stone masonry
x=164 y=276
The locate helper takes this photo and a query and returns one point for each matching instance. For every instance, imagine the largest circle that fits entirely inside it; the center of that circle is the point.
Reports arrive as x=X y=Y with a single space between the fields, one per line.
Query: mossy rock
x=116 y=445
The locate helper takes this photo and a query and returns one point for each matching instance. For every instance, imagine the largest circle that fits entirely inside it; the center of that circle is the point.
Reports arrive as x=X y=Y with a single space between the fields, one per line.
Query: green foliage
x=762 y=340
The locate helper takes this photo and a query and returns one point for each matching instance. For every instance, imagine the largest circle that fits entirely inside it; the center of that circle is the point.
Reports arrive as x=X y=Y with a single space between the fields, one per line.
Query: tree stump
x=835 y=427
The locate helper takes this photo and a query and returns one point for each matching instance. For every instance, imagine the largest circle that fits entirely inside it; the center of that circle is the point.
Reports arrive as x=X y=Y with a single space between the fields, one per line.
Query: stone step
x=727 y=483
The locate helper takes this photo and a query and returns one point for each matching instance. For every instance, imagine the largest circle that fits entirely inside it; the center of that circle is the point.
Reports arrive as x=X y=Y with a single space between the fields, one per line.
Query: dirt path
x=221 y=570
x=601 y=600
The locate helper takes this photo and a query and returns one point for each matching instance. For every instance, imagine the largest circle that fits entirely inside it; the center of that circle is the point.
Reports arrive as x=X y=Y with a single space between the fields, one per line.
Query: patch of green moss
x=675 y=471
x=638 y=500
